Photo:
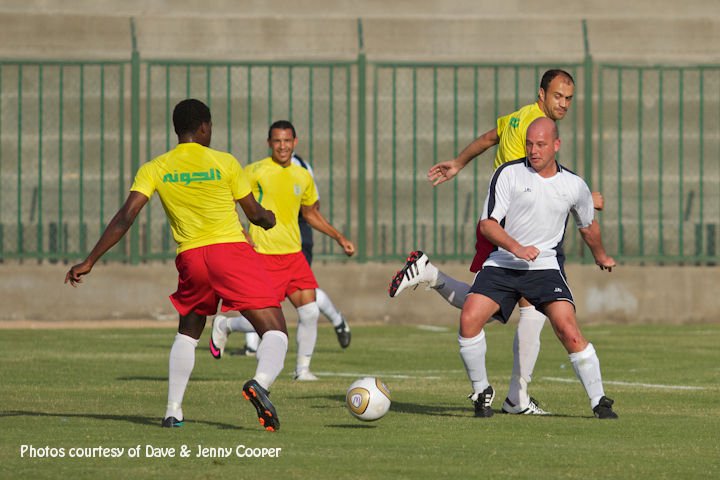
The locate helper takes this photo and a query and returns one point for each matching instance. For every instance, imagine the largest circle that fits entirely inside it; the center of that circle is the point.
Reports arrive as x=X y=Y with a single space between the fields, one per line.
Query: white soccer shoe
x=305 y=375
x=532 y=409
x=218 y=337
x=417 y=271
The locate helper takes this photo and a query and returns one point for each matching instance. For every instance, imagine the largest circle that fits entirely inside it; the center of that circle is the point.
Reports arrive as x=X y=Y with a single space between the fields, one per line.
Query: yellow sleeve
x=310 y=196
x=502 y=123
x=144 y=182
x=239 y=183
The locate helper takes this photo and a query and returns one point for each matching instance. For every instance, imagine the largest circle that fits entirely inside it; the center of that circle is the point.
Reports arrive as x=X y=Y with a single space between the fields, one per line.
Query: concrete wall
x=645 y=31
x=629 y=294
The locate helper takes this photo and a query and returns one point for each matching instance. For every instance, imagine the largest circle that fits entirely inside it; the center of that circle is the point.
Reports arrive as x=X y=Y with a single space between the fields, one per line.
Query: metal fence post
x=361 y=129
x=588 y=120
x=134 y=134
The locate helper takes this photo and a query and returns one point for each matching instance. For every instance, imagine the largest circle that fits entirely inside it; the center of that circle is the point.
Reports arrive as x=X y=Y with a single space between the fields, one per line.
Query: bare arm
x=256 y=213
x=116 y=229
x=497 y=235
x=315 y=219
x=444 y=171
x=591 y=236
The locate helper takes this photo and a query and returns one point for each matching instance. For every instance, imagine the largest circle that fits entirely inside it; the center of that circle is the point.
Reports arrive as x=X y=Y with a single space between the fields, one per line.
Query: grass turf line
x=90 y=388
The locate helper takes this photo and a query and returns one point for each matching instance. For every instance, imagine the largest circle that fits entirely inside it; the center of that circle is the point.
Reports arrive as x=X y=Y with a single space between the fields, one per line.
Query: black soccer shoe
x=483 y=402
x=172 y=422
x=259 y=397
x=603 y=410
x=343 y=334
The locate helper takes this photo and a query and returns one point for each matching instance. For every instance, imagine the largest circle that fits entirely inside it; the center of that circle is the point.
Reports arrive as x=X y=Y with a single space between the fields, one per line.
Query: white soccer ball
x=368 y=398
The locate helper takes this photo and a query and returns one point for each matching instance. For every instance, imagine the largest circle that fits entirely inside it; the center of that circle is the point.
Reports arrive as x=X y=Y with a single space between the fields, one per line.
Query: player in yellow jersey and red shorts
x=288 y=190
x=199 y=188
x=555 y=96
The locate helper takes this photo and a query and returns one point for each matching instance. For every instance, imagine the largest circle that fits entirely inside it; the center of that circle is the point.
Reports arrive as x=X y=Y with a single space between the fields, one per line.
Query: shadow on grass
x=404 y=407
x=140 y=378
x=136 y=419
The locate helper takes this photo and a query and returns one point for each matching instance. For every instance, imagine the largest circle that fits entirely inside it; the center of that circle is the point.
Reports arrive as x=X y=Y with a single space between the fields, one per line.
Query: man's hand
x=347 y=246
x=443 y=171
x=605 y=263
x=526 y=253
x=76 y=272
x=598 y=201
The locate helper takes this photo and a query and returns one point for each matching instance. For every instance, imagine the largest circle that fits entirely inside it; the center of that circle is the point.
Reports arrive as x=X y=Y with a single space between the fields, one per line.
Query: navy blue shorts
x=506 y=286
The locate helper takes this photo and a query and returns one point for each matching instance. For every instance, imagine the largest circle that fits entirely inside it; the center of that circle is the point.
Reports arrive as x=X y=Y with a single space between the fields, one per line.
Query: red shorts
x=483 y=248
x=231 y=272
x=289 y=273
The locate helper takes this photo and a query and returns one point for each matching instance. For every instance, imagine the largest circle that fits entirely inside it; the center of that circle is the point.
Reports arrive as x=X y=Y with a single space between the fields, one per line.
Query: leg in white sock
x=526 y=348
x=252 y=342
x=327 y=308
x=472 y=352
x=270 y=357
x=182 y=361
x=239 y=324
x=587 y=368
x=308 y=315
x=450 y=289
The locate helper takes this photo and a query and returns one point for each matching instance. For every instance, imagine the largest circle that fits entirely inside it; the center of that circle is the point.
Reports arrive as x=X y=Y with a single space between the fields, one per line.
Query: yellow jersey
x=198 y=187
x=283 y=190
x=512 y=130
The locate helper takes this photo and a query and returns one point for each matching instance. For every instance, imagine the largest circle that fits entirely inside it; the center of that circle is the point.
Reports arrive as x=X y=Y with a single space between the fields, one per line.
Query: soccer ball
x=368 y=398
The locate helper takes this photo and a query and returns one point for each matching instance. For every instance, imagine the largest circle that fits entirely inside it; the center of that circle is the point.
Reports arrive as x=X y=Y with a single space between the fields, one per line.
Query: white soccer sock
x=182 y=361
x=239 y=324
x=450 y=289
x=252 y=341
x=526 y=348
x=472 y=352
x=327 y=308
x=308 y=315
x=587 y=369
x=270 y=357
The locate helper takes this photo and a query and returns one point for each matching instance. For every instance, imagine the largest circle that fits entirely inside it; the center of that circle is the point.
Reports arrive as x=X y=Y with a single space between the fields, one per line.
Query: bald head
x=545 y=126
x=542 y=144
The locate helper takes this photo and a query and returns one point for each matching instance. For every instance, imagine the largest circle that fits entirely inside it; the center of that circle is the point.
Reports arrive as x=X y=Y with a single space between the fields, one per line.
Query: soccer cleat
x=414 y=273
x=172 y=422
x=603 y=410
x=343 y=334
x=305 y=375
x=249 y=351
x=260 y=398
x=218 y=339
x=483 y=402
x=532 y=409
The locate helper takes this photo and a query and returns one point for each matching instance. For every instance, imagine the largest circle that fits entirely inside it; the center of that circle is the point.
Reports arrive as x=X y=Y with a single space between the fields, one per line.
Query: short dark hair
x=281 y=125
x=550 y=75
x=189 y=114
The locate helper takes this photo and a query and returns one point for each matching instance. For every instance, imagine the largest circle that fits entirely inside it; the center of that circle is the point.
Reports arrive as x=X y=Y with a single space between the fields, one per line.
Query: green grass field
x=66 y=389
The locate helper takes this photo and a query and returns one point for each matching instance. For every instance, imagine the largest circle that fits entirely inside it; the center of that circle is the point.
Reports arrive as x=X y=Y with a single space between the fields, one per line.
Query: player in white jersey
x=525 y=212
x=228 y=325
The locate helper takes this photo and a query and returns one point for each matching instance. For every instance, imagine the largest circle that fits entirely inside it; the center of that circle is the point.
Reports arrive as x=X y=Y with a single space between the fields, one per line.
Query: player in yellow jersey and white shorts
x=288 y=190
x=555 y=96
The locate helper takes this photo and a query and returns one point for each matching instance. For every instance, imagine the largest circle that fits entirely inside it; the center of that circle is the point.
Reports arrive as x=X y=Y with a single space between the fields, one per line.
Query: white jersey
x=534 y=211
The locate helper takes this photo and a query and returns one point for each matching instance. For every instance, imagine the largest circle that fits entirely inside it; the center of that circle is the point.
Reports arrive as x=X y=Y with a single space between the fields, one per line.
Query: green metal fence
x=73 y=133
x=659 y=144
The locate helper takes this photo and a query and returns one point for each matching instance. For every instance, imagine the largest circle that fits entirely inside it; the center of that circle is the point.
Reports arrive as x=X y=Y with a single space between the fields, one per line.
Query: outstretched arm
x=256 y=213
x=497 y=235
x=116 y=229
x=593 y=239
x=444 y=171
x=315 y=219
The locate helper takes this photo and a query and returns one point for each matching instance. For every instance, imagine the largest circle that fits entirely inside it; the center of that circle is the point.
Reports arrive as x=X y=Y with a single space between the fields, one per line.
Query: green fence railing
x=659 y=143
x=73 y=133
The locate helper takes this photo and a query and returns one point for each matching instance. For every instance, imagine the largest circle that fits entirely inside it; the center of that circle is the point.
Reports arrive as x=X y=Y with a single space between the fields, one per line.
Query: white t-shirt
x=534 y=211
